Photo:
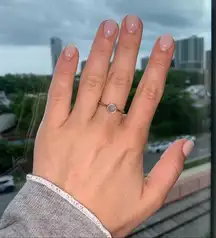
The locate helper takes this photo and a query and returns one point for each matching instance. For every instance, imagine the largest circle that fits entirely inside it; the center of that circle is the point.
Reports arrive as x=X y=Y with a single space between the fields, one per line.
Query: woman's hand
x=95 y=155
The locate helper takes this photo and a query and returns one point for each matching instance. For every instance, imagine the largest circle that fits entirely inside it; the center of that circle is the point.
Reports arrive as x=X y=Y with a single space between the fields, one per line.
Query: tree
x=182 y=79
x=5 y=156
x=16 y=154
x=4 y=109
x=75 y=90
x=175 y=114
x=29 y=111
x=11 y=84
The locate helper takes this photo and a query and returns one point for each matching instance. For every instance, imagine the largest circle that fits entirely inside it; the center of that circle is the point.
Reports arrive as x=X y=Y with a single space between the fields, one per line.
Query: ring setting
x=111 y=107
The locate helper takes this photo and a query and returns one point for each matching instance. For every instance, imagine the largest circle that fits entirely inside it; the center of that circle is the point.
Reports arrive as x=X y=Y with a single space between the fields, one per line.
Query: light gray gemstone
x=111 y=108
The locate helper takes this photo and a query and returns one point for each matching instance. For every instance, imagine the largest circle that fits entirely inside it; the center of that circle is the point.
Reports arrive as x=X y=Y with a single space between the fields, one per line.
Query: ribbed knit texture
x=37 y=211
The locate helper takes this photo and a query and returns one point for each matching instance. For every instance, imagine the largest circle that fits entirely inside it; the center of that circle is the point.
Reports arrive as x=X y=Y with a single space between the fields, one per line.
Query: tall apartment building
x=208 y=69
x=189 y=54
x=83 y=64
x=56 y=48
x=144 y=62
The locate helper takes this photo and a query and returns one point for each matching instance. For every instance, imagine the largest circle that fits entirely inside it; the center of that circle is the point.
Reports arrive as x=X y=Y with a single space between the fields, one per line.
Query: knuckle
x=60 y=72
x=59 y=90
x=102 y=51
x=128 y=46
x=177 y=167
x=150 y=91
x=119 y=80
x=93 y=82
x=58 y=95
x=158 y=62
x=63 y=69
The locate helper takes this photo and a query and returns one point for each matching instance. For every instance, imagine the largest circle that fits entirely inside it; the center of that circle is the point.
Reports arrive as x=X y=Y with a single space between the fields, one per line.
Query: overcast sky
x=27 y=25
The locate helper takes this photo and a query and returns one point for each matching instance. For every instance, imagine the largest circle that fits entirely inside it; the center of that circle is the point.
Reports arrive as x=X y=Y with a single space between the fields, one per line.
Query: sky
x=27 y=25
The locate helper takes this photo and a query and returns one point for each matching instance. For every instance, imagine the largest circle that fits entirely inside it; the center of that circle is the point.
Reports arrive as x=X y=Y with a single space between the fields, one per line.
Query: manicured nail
x=132 y=23
x=109 y=28
x=69 y=52
x=166 y=42
x=188 y=147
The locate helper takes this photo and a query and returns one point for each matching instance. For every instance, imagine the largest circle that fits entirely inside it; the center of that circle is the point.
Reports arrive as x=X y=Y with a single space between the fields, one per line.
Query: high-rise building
x=208 y=69
x=208 y=61
x=83 y=64
x=56 y=48
x=189 y=54
x=144 y=62
x=172 y=65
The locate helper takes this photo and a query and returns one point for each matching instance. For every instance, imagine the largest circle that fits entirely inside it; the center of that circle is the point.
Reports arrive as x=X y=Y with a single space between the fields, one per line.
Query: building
x=7 y=121
x=197 y=91
x=144 y=62
x=4 y=100
x=208 y=61
x=208 y=69
x=189 y=54
x=56 y=48
x=83 y=63
x=172 y=65
x=199 y=94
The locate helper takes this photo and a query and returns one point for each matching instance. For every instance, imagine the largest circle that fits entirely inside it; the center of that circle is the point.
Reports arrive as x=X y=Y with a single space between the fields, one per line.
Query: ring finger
x=95 y=71
x=121 y=73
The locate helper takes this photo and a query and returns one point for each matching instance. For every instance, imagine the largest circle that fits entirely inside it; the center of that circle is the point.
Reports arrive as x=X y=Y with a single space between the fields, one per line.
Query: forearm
x=37 y=211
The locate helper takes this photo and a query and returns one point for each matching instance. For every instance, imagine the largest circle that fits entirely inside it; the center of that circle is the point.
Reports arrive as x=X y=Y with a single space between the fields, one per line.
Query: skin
x=96 y=156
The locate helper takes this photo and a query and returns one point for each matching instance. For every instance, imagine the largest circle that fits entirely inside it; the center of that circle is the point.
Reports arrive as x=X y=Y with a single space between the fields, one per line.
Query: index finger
x=151 y=86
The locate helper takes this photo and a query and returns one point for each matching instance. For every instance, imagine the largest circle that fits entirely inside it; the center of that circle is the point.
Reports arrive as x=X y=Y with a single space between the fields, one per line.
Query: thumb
x=165 y=173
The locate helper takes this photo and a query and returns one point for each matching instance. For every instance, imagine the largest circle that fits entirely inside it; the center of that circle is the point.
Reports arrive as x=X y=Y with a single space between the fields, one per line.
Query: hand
x=97 y=156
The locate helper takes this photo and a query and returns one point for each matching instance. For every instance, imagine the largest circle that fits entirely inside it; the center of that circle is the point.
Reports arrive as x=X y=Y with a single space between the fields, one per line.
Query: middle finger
x=121 y=73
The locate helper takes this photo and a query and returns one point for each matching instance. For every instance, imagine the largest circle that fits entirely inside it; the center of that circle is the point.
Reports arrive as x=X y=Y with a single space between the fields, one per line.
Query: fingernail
x=132 y=23
x=188 y=147
x=109 y=28
x=166 y=42
x=69 y=52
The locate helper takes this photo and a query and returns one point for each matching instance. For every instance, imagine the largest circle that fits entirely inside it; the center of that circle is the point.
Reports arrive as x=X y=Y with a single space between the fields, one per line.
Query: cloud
x=178 y=13
x=29 y=22
x=27 y=25
x=180 y=17
x=34 y=22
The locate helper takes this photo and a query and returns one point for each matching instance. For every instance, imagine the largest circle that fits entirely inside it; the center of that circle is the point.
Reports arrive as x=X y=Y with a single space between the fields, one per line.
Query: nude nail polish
x=69 y=52
x=188 y=147
x=109 y=28
x=132 y=23
x=166 y=42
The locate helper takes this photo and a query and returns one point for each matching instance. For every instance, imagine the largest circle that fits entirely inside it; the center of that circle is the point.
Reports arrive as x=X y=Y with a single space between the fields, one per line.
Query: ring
x=111 y=107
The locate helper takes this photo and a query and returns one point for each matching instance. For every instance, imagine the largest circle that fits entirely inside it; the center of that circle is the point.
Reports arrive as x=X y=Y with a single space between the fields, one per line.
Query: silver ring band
x=111 y=107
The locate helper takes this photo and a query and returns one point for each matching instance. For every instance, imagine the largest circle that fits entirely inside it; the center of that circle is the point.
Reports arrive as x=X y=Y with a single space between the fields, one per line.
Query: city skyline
x=52 y=61
x=55 y=48
x=189 y=53
x=24 y=45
